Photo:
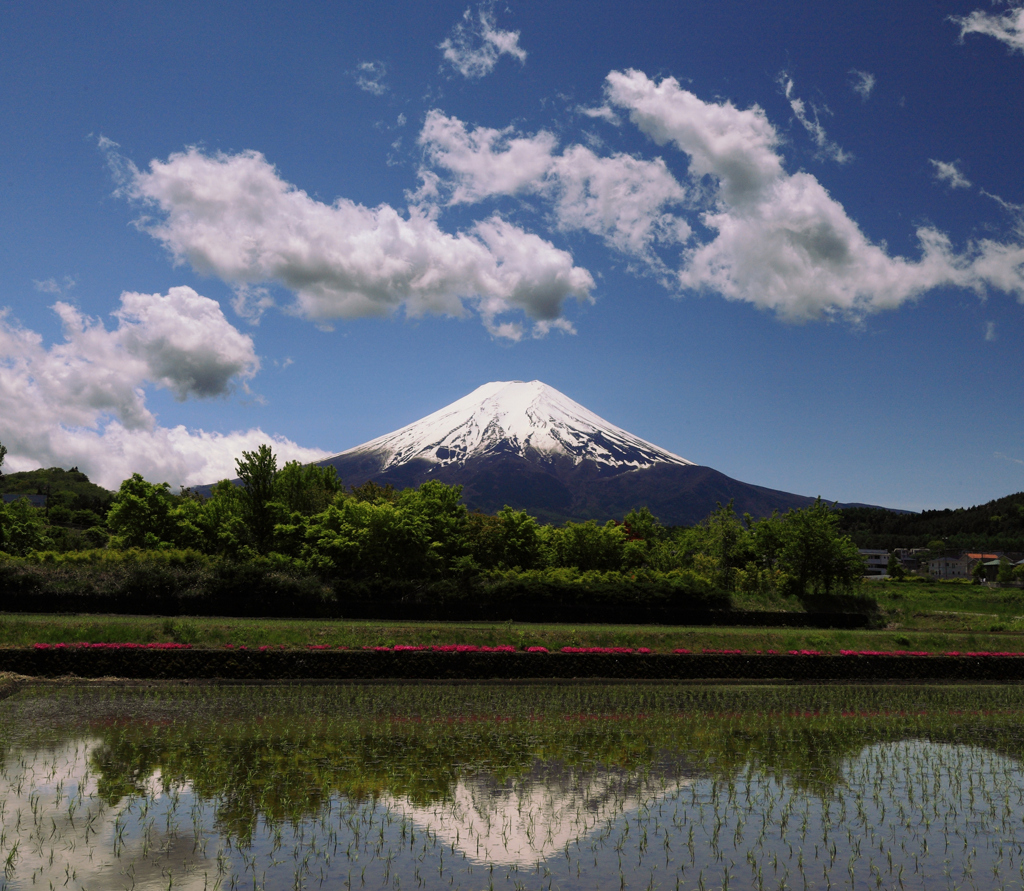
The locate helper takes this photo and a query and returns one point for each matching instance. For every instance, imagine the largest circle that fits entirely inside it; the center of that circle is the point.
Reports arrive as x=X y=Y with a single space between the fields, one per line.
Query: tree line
x=995 y=526
x=300 y=519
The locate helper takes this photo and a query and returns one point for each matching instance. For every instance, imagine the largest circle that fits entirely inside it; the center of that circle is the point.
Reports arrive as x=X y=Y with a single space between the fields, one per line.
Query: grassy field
x=954 y=606
x=934 y=616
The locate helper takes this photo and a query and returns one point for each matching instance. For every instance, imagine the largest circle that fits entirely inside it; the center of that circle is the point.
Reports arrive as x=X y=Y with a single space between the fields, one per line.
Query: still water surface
x=512 y=787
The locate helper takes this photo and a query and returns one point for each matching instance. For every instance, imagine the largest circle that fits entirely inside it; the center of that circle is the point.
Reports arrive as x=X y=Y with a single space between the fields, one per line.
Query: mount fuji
x=533 y=448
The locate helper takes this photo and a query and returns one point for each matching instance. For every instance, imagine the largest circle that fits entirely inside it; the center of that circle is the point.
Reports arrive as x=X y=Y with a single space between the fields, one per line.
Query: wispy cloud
x=1003 y=457
x=54 y=286
x=826 y=147
x=948 y=172
x=476 y=43
x=600 y=112
x=370 y=77
x=862 y=83
x=1007 y=27
x=990 y=331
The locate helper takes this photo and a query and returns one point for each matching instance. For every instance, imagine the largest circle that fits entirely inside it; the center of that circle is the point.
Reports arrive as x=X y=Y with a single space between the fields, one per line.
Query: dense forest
x=995 y=526
x=300 y=525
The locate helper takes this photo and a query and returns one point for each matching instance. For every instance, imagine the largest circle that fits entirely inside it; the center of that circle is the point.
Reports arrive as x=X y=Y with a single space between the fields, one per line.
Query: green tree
x=223 y=520
x=588 y=546
x=520 y=541
x=258 y=471
x=307 y=489
x=641 y=523
x=978 y=572
x=817 y=557
x=443 y=518
x=767 y=537
x=140 y=516
x=894 y=569
x=721 y=544
x=372 y=492
x=361 y=540
x=509 y=540
x=1004 y=576
x=3 y=454
x=22 y=528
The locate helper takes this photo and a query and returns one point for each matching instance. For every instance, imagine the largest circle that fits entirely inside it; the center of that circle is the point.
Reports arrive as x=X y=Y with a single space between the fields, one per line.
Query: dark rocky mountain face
x=558 y=490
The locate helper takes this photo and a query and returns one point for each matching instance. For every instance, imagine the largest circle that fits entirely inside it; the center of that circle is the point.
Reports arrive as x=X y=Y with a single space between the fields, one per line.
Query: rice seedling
x=514 y=787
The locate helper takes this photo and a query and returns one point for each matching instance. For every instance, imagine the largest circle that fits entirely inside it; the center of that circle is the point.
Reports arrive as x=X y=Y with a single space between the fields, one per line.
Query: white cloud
x=370 y=77
x=999 y=266
x=234 y=217
x=949 y=172
x=620 y=198
x=780 y=240
x=476 y=43
x=83 y=402
x=862 y=83
x=990 y=331
x=1007 y=28
x=185 y=341
x=827 y=148
x=486 y=162
x=737 y=148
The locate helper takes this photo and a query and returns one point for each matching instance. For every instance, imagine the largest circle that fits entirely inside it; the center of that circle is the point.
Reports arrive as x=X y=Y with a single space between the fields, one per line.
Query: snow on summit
x=531 y=419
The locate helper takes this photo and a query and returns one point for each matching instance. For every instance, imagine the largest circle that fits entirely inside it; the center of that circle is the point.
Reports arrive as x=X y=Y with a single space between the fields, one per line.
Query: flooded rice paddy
x=522 y=787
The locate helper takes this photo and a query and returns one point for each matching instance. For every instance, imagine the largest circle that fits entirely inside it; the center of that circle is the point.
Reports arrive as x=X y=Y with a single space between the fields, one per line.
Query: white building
x=877 y=561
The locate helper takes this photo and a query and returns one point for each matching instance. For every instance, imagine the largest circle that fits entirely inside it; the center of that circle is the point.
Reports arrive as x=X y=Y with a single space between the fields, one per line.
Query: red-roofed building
x=957 y=567
x=970 y=559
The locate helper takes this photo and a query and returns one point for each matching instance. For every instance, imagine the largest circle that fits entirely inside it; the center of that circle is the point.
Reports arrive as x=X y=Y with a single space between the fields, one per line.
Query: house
x=877 y=562
x=970 y=560
x=909 y=557
x=947 y=568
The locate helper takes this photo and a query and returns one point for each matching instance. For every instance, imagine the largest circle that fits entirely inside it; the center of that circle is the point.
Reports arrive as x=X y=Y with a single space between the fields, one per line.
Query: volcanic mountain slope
x=531 y=447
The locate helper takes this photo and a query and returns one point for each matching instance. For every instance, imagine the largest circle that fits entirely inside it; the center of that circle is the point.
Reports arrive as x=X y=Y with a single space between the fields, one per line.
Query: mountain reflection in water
x=58 y=832
x=528 y=819
x=536 y=787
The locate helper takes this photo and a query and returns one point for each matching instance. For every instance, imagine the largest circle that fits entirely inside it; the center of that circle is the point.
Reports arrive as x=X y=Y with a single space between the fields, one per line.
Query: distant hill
x=53 y=480
x=995 y=526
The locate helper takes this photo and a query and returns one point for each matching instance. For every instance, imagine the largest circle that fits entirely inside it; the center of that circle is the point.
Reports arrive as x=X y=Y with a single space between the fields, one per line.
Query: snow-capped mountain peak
x=515 y=417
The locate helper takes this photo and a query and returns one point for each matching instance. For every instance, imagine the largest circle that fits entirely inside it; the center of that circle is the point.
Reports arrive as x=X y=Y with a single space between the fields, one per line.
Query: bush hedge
x=184 y=583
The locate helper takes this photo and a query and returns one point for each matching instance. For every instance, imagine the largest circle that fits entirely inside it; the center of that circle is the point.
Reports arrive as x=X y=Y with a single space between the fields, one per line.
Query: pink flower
x=602 y=650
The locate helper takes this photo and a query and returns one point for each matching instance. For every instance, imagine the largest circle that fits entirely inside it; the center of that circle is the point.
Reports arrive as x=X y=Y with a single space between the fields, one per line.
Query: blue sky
x=782 y=240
